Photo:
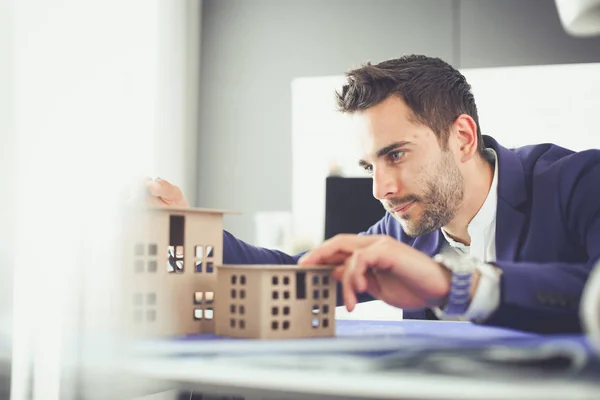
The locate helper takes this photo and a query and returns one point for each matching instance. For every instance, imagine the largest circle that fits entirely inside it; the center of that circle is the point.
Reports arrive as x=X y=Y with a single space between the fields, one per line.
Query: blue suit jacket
x=547 y=236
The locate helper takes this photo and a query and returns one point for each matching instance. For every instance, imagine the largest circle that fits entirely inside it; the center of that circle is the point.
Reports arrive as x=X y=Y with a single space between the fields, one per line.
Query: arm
x=236 y=251
x=540 y=297
x=545 y=297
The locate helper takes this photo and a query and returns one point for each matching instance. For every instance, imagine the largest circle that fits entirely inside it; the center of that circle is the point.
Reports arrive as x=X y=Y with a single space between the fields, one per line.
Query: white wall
x=321 y=138
x=517 y=105
x=539 y=104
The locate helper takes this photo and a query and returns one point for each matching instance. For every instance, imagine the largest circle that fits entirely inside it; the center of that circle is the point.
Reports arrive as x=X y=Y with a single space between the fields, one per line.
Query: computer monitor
x=350 y=206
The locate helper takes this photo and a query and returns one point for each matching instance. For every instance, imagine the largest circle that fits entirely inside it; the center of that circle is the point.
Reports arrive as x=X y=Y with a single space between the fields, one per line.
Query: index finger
x=336 y=250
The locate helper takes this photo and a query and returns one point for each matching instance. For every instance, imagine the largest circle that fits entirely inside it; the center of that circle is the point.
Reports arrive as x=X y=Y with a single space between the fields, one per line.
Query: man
x=523 y=224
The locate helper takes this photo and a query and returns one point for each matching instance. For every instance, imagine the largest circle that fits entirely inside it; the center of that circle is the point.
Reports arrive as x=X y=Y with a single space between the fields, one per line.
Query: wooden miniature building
x=275 y=301
x=171 y=261
x=175 y=284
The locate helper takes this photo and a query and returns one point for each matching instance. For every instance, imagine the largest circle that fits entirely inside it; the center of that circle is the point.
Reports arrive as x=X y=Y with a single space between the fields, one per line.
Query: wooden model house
x=172 y=255
x=275 y=301
x=175 y=284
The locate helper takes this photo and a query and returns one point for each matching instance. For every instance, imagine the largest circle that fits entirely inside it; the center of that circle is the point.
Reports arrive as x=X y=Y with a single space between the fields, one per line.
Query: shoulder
x=569 y=178
x=554 y=164
x=550 y=157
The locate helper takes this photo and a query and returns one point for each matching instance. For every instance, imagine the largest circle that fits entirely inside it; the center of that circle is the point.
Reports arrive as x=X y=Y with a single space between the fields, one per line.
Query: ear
x=465 y=130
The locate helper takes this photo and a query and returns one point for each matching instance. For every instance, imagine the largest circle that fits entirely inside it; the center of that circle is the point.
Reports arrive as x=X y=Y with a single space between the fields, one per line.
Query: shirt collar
x=487 y=213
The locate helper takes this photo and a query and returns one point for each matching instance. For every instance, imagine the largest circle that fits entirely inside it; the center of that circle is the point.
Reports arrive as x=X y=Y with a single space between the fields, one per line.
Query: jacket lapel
x=509 y=229
x=512 y=194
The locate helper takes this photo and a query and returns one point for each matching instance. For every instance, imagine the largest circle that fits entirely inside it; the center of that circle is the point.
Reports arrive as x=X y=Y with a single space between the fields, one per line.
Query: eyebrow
x=385 y=150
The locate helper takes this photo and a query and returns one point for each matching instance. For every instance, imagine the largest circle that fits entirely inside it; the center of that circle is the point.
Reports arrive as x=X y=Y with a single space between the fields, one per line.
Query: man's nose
x=385 y=184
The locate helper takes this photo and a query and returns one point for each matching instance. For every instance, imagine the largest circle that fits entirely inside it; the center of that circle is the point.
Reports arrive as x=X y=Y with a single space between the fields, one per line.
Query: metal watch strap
x=460 y=287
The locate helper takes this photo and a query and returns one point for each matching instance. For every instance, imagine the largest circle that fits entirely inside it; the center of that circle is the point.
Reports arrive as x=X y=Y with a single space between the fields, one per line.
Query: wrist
x=481 y=296
x=461 y=285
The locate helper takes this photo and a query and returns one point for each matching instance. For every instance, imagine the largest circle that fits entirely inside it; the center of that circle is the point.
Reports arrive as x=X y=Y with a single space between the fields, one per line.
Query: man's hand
x=163 y=193
x=386 y=268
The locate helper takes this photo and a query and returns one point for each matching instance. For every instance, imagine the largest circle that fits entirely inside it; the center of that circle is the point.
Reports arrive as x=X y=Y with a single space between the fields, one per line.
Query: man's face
x=416 y=181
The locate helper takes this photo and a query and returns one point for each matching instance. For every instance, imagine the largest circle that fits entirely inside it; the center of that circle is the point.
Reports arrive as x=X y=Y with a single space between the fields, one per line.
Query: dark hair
x=435 y=92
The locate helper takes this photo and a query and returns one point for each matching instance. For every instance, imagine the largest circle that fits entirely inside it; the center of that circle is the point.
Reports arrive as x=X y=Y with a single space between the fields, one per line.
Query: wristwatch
x=459 y=298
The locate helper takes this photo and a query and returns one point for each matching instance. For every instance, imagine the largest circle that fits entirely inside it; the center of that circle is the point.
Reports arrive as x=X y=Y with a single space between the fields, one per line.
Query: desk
x=349 y=365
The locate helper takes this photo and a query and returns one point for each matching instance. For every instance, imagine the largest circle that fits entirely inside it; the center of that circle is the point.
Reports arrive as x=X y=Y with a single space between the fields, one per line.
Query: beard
x=444 y=192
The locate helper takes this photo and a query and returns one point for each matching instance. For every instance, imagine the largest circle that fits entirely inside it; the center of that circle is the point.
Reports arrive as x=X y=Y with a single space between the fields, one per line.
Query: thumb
x=154 y=188
x=167 y=192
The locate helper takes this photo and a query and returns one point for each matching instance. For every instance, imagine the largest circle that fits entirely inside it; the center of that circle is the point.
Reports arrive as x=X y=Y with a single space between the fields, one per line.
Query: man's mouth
x=403 y=208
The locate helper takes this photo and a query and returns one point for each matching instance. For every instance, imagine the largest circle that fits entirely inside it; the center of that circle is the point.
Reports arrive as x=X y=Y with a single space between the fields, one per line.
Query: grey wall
x=251 y=51
x=518 y=32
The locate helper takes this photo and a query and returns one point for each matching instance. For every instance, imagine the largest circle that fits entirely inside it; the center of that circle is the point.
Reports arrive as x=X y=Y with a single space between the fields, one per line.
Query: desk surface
x=382 y=359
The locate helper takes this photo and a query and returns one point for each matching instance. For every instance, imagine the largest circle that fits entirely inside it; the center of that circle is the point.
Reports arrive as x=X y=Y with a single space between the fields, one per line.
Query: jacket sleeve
x=379 y=228
x=236 y=251
x=546 y=297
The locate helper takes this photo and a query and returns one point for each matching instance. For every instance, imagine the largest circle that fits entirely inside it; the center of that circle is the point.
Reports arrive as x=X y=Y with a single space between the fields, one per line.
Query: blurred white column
x=7 y=159
x=179 y=25
x=104 y=94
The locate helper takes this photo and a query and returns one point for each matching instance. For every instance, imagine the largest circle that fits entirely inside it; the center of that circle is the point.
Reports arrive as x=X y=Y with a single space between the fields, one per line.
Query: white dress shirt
x=482 y=230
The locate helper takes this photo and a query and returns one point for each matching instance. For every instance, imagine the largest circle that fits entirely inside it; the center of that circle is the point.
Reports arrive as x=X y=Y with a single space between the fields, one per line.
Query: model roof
x=190 y=210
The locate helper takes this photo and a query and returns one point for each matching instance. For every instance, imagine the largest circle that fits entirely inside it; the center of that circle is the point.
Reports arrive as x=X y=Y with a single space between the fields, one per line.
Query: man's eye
x=368 y=168
x=396 y=155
